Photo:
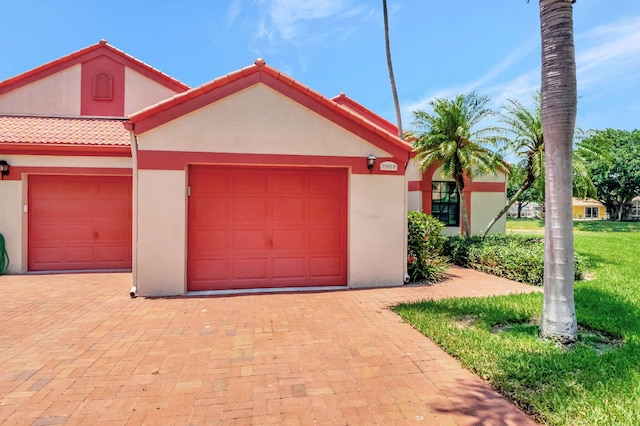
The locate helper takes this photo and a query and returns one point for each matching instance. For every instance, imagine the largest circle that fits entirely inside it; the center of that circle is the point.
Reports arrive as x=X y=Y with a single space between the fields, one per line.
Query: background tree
x=617 y=178
x=451 y=137
x=558 y=112
x=521 y=134
x=533 y=194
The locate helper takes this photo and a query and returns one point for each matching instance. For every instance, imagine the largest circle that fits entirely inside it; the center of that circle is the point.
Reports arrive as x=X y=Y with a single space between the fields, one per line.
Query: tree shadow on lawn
x=606 y=226
x=585 y=370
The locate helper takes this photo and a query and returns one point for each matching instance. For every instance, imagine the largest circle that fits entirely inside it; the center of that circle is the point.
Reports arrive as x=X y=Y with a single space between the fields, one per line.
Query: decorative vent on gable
x=102 y=86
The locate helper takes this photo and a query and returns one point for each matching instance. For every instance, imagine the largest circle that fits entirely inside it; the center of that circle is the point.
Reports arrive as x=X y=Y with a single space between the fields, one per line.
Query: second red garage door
x=79 y=222
x=253 y=227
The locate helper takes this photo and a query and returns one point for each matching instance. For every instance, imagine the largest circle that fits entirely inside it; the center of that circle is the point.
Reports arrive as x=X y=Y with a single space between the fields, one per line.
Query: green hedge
x=516 y=257
x=424 y=240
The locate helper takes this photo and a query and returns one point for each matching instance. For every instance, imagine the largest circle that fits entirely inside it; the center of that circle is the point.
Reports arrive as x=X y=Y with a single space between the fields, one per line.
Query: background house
x=635 y=208
x=587 y=208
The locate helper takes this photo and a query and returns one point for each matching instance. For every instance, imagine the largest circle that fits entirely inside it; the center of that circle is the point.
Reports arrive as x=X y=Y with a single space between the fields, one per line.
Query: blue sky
x=440 y=48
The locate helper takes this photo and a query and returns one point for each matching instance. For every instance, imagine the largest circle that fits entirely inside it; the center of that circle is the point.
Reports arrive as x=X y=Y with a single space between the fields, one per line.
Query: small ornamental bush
x=425 y=261
x=516 y=257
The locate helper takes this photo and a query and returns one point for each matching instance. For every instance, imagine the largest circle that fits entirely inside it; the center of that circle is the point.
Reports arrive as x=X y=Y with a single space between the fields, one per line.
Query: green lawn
x=597 y=381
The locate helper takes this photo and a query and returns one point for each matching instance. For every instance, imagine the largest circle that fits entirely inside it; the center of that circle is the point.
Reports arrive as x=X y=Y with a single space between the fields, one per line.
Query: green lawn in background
x=597 y=381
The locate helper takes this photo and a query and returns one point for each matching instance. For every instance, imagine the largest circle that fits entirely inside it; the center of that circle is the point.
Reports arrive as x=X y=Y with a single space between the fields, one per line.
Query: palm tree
x=558 y=111
x=528 y=143
x=522 y=136
x=451 y=139
x=396 y=102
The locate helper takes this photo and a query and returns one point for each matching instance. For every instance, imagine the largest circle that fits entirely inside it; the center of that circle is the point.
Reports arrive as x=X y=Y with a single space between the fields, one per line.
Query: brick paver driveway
x=75 y=349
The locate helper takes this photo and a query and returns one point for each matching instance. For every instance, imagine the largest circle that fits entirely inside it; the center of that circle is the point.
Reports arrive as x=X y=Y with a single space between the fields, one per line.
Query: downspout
x=405 y=240
x=134 y=207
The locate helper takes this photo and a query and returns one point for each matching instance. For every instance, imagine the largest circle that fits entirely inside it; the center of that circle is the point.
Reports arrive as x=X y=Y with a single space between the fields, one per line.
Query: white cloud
x=609 y=55
x=607 y=59
x=292 y=21
x=487 y=84
x=233 y=11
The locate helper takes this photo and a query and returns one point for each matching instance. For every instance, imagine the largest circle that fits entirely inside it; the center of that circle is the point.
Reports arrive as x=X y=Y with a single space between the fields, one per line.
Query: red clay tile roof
x=62 y=131
x=88 y=53
x=195 y=98
x=366 y=113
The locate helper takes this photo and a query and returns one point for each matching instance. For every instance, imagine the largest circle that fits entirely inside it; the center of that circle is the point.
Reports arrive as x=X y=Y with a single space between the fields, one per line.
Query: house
x=587 y=208
x=432 y=193
x=635 y=208
x=529 y=210
x=252 y=180
x=66 y=200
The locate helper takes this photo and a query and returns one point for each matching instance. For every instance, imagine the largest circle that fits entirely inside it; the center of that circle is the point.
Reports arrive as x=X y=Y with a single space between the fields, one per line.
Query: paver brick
x=77 y=350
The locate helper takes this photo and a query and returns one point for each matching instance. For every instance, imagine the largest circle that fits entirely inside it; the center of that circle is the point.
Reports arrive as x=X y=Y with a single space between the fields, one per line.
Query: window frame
x=447 y=199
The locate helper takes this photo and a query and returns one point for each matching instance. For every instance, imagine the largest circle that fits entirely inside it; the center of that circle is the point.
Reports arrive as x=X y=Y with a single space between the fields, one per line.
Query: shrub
x=516 y=257
x=425 y=261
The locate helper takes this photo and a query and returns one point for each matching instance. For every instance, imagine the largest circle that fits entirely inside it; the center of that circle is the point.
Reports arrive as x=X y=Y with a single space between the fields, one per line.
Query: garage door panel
x=250 y=183
x=47 y=210
x=289 y=183
x=79 y=253
x=327 y=184
x=45 y=190
x=79 y=233
x=110 y=232
x=211 y=240
x=48 y=255
x=289 y=239
x=250 y=239
x=255 y=268
x=271 y=236
x=290 y=267
x=326 y=267
x=250 y=209
x=209 y=182
x=210 y=270
x=327 y=211
x=113 y=210
x=112 y=191
x=79 y=222
x=325 y=239
x=112 y=254
x=81 y=210
x=289 y=210
x=209 y=209
x=43 y=233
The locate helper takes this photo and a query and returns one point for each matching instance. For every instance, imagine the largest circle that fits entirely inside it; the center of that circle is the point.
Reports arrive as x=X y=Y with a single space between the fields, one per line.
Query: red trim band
x=486 y=186
x=16 y=172
x=414 y=185
x=66 y=150
x=170 y=160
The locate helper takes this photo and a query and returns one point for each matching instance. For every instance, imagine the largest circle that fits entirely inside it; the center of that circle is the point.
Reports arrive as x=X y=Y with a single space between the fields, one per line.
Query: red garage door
x=252 y=227
x=79 y=222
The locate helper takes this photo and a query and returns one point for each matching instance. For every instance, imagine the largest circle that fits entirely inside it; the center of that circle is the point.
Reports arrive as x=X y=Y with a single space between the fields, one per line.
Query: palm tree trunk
x=463 y=206
x=558 y=108
x=525 y=185
x=396 y=102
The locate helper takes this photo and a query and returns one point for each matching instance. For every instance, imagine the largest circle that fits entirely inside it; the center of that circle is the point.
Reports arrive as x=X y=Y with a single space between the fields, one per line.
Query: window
x=635 y=209
x=102 y=86
x=445 y=203
x=591 y=212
